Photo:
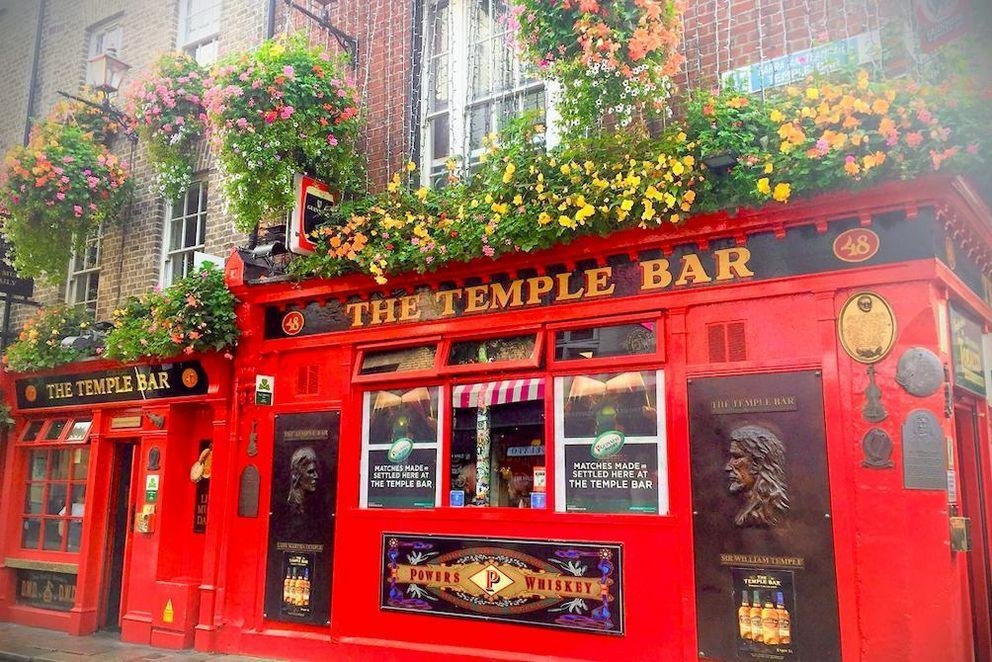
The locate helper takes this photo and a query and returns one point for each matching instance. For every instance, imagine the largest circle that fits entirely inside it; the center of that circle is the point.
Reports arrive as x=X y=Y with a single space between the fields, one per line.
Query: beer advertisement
x=301 y=518
x=761 y=518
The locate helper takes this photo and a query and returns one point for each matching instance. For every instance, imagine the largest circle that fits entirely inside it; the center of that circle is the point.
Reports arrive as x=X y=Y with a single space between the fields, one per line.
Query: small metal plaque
x=125 y=422
x=919 y=372
x=924 y=462
x=154 y=458
x=248 y=492
x=877 y=447
x=867 y=327
x=960 y=534
x=873 y=410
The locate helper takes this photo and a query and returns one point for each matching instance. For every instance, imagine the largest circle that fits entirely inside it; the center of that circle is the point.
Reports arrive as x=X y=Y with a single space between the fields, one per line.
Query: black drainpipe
x=270 y=30
x=34 y=72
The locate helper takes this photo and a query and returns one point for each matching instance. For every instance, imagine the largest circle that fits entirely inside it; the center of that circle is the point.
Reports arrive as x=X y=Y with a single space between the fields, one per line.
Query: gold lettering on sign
x=596 y=282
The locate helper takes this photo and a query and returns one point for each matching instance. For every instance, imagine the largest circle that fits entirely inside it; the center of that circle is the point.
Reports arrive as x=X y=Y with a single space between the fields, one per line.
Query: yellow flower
x=648 y=210
x=394 y=184
x=681 y=137
x=769 y=167
x=422 y=193
x=689 y=196
x=584 y=213
x=678 y=168
x=566 y=221
x=763 y=186
x=812 y=93
x=518 y=199
x=627 y=205
x=689 y=160
x=500 y=208
x=508 y=172
x=652 y=193
x=776 y=115
x=880 y=106
x=411 y=166
x=544 y=218
x=782 y=192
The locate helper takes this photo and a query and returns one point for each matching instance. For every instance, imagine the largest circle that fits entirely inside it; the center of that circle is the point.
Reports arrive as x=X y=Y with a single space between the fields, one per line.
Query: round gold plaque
x=867 y=327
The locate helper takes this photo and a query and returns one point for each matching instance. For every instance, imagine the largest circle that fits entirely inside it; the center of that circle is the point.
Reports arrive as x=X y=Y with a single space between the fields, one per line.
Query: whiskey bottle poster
x=761 y=515
x=301 y=517
x=764 y=604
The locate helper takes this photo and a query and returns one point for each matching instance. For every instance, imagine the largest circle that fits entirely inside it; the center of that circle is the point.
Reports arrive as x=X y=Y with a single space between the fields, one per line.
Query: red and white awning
x=497 y=393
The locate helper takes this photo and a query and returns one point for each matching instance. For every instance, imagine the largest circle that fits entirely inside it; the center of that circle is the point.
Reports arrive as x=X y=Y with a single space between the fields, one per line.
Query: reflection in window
x=515 y=348
x=605 y=341
x=398 y=360
x=616 y=401
x=78 y=431
x=498 y=444
x=32 y=430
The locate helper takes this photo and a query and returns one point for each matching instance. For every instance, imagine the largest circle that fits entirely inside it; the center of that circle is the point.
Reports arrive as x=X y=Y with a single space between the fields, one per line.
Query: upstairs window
x=185 y=232
x=84 y=274
x=471 y=82
x=199 y=29
x=105 y=38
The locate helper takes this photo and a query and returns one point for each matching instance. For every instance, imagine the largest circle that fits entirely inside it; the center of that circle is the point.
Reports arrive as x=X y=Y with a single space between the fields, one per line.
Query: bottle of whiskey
x=286 y=583
x=305 y=601
x=769 y=623
x=784 y=622
x=744 y=617
x=757 y=634
x=297 y=588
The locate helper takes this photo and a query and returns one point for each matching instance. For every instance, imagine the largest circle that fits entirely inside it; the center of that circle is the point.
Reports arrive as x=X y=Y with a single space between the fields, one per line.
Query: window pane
x=75 y=535
x=78 y=501
x=440 y=137
x=33 y=498
x=60 y=464
x=32 y=430
x=55 y=429
x=622 y=401
x=54 y=529
x=56 y=499
x=39 y=465
x=80 y=463
x=606 y=341
x=31 y=533
x=78 y=431
x=505 y=442
x=398 y=360
x=515 y=348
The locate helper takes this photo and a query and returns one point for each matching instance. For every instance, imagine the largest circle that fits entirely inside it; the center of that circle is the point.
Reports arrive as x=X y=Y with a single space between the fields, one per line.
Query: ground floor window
x=54 y=499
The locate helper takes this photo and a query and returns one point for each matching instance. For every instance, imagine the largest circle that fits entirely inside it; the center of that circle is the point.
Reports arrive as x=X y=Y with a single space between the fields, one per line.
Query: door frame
x=106 y=580
x=974 y=478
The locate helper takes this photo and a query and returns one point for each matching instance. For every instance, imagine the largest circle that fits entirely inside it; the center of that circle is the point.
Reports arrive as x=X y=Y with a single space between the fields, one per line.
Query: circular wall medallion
x=30 y=393
x=190 y=378
x=292 y=322
x=856 y=245
x=877 y=447
x=920 y=372
x=867 y=327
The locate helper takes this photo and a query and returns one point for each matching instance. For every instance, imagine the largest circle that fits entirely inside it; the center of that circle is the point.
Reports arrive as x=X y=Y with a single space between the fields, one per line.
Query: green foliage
x=57 y=190
x=39 y=345
x=282 y=109
x=194 y=314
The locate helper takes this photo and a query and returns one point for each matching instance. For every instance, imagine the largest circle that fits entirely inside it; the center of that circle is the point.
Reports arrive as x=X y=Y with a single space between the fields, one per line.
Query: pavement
x=23 y=644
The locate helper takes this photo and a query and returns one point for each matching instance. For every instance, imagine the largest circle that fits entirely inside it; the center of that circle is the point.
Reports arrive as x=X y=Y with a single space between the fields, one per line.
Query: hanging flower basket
x=167 y=107
x=57 y=190
x=39 y=345
x=89 y=117
x=283 y=109
x=614 y=58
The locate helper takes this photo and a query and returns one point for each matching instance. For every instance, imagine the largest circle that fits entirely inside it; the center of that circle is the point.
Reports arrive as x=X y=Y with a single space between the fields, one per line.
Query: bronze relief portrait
x=303 y=478
x=756 y=471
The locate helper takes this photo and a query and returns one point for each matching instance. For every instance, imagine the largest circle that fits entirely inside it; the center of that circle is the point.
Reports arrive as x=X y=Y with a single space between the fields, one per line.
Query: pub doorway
x=974 y=481
x=121 y=509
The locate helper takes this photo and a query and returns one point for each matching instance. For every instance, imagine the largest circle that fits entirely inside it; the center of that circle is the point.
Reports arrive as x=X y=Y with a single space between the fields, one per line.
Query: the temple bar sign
x=145 y=382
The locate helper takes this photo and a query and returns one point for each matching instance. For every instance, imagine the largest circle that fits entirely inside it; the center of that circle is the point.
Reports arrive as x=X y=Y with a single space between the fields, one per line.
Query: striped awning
x=498 y=393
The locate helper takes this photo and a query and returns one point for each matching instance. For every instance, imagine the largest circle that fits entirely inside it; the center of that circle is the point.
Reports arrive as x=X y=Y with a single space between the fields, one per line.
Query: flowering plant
x=615 y=58
x=90 y=117
x=522 y=198
x=167 y=107
x=279 y=110
x=39 y=344
x=194 y=314
x=57 y=190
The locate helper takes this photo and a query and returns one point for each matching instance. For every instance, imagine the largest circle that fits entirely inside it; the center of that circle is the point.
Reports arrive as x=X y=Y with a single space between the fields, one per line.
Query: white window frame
x=204 y=48
x=107 y=37
x=173 y=256
x=461 y=58
x=86 y=273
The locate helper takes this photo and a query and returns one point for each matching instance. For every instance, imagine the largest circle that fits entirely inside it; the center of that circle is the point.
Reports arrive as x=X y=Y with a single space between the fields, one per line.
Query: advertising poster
x=761 y=518
x=626 y=481
x=558 y=584
x=400 y=448
x=301 y=522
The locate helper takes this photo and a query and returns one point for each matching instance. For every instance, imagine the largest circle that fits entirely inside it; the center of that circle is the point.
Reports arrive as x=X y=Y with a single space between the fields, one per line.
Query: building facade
x=511 y=459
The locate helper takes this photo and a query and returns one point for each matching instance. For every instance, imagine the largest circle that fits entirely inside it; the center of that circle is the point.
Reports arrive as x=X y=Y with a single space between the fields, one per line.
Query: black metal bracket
x=112 y=111
x=347 y=42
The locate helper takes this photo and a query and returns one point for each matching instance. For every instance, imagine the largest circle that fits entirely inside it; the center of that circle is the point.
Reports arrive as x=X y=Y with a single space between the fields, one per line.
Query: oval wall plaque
x=856 y=245
x=866 y=327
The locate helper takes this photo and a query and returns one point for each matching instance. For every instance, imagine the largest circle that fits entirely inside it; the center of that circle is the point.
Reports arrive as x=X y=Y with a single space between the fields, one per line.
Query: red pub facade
x=754 y=437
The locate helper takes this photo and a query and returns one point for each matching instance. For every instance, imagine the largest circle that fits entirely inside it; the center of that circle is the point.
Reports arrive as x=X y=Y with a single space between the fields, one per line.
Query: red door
x=975 y=481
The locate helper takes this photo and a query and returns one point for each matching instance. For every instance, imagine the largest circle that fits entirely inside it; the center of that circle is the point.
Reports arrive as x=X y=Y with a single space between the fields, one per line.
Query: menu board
x=610 y=449
x=400 y=441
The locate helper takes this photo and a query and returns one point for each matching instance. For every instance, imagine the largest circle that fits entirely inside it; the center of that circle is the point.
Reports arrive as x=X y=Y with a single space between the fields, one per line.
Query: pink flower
x=286 y=112
x=914 y=139
x=488 y=250
x=288 y=71
x=77 y=210
x=242 y=122
x=331 y=140
x=972 y=148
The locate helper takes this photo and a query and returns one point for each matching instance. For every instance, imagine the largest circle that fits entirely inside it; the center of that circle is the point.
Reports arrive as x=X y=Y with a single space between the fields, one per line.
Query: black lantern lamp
x=105 y=72
x=720 y=163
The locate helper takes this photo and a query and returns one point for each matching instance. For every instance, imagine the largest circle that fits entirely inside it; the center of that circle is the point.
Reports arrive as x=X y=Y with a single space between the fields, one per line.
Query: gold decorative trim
x=50 y=566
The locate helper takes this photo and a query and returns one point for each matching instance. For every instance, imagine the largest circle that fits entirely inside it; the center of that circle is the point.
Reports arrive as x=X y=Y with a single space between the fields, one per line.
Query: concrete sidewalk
x=23 y=644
